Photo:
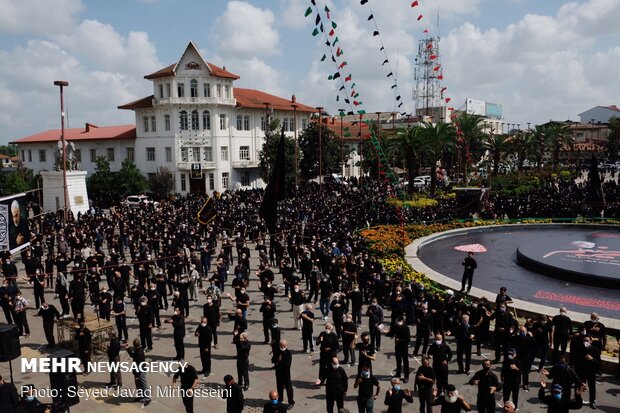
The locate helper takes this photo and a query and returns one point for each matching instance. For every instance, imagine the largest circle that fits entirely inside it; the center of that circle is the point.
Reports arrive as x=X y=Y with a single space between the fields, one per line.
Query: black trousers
x=331 y=399
x=306 y=336
x=463 y=349
x=422 y=336
x=121 y=327
x=467 y=279
x=22 y=322
x=401 y=351
x=511 y=389
x=146 y=337
x=559 y=347
x=77 y=306
x=486 y=404
x=266 y=324
x=441 y=377
x=39 y=296
x=188 y=402
x=283 y=381
x=64 y=304
x=179 y=347
x=205 y=359
x=243 y=375
x=48 y=328
x=425 y=395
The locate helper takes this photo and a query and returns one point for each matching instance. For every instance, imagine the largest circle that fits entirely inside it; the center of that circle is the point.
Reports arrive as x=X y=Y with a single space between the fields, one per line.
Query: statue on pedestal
x=72 y=164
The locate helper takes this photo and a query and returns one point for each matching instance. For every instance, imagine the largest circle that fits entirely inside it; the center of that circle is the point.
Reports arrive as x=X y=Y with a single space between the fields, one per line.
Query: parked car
x=139 y=201
x=425 y=178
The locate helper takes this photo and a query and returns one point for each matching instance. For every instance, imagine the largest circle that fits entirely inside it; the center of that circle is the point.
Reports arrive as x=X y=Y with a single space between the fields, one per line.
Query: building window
x=168 y=92
x=29 y=155
x=161 y=91
x=129 y=155
x=193 y=88
x=195 y=154
x=150 y=154
x=23 y=155
x=183 y=183
x=145 y=123
x=227 y=91
x=78 y=155
x=93 y=155
x=183 y=120
x=304 y=123
x=246 y=122
x=42 y=157
x=208 y=154
x=168 y=154
x=222 y=121
x=206 y=89
x=239 y=122
x=225 y=180
x=181 y=90
x=110 y=154
x=166 y=122
x=244 y=153
x=211 y=181
x=206 y=120
x=245 y=178
x=224 y=153
x=287 y=124
x=194 y=120
x=184 y=154
x=219 y=90
x=153 y=124
x=262 y=123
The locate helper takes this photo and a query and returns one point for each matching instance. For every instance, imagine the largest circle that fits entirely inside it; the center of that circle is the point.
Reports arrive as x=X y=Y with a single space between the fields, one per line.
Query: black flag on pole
x=275 y=190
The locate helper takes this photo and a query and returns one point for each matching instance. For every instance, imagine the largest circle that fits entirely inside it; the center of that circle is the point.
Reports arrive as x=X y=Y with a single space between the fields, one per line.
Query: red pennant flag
x=425 y=31
x=332 y=32
x=443 y=89
x=356 y=103
x=440 y=77
x=420 y=17
x=343 y=64
x=429 y=46
x=347 y=79
x=415 y=4
x=448 y=100
x=433 y=57
x=338 y=51
x=436 y=68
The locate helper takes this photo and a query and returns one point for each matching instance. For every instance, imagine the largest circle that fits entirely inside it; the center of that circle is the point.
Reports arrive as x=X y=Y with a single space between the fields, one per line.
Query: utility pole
x=294 y=105
x=62 y=84
x=341 y=112
x=320 y=110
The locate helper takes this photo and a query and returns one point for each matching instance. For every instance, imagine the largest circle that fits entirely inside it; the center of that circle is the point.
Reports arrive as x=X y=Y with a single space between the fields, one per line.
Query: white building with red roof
x=600 y=114
x=196 y=123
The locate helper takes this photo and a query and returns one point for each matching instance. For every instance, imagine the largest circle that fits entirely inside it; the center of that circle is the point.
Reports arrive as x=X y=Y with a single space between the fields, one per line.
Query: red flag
x=443 y=89
x=436 y=68
x=425 y=31
x=415 y=4
x=352 y=93
x=331 y=32
x=440 y=77
x=433 y=57
x=343 y=64
x=348 y=78
x=429 y=46
x=448 y=100
x=420 y=17
x=356 y=103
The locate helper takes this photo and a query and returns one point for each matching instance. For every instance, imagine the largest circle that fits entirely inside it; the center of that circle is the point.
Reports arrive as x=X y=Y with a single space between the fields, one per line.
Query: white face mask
x=282 y=348
x=438 y=342
x=327 y=330
x=209 y=301
x=296 y=290
x=203 y=324
x=335 y=366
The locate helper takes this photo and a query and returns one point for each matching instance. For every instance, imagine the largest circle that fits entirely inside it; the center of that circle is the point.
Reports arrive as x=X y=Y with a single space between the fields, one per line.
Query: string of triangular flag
x=399 y=104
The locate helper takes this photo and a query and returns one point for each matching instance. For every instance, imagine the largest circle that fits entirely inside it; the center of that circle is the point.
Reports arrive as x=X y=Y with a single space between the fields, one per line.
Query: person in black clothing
x=504 y=327
x=307 y=328
x=562 y=328
x=557 y=401
x=105 y=304
x=283 y=373
x=564 y=375
x=268 y=310
x=120 y=316
x=142 y=388
x=48 y=313
x=84 y=339
x=233 y=395
x=464 y=335
x=336 y=385
x=77 y=289
x=525 y=345
x=114 y=349
x=541 y=330
x=487 y=383
x=328 y=342
x=8 y=397
x=442 y=355
x=424 y=381
x=205 y=336
x=212 y=312
x=274 y=405
x=586 y=365
x=469 y=265
x=452 y=401
x=274 y=329
x=153 y=299
x=366 y=352
x=423 y=322
x=240 y=325
x=178 y=324
x=365 y=397
x=243 y=360
x=395 y=395
x=349 y=334
x=511 y=376
x=189 y=381
x=402 y=336
x=338 y=307
x=145 y=321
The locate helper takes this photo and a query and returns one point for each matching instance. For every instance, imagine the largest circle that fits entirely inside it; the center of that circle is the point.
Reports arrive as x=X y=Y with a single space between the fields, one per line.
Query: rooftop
x=88 y=132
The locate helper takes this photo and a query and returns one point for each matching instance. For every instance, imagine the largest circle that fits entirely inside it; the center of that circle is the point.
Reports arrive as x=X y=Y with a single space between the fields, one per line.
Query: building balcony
x=187 y=166
x=194 y=101
x=245 y=164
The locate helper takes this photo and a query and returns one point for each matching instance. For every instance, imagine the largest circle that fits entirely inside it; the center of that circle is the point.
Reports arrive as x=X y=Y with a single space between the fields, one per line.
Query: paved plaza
x=309 y=398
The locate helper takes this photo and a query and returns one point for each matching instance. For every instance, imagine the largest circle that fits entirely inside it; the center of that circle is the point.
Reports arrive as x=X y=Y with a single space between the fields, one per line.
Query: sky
x=539 y=59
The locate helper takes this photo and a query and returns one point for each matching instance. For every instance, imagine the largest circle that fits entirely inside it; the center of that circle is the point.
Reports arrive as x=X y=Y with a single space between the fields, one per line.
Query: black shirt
x=49 y=314
x=426 y=371
x=188 y=377
x=367 y=385
x=114 y=348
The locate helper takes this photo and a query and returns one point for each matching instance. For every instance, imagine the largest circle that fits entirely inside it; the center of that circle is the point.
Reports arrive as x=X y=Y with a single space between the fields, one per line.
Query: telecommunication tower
x=428 y=74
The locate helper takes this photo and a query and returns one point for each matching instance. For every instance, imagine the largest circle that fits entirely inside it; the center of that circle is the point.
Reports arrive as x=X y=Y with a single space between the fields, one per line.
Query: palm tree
x=470 y=129
x=539 y=143
x=558 y=135
x=439 y=139
x=408 y=145
x=497 y=145
x=524 y=145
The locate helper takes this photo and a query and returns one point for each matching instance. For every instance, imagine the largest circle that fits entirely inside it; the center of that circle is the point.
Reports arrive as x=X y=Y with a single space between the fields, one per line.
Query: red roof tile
x=335 y=125
x=81 y=134
x=250 y=98
x=143 y=103
x=169 y=71
x=613 y=107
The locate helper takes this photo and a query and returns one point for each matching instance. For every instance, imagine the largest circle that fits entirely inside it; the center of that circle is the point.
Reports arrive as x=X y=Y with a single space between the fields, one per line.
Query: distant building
x=8 y=161
x=600 y=114
x=196 y=123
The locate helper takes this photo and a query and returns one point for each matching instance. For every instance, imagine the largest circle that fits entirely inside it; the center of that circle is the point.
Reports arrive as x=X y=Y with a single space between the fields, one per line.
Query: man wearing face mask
x=423 y=322
x=297 y=300
x=145 y=322
x=268 y=311
x=20 y=305
x=487 y=383
x=442 y=355
x=504 y=327
x=336 y=385
x=48 y=313
x=328 y=342
x=274 y=405
x=366 y=381
x=243 y=360
x=586 y=365
x=557 y=402
x=242 y=300
x=153 y=298
x=204 y=334
x=562 y=328
x=541 y=330
x=424 y=381
x=525 y=345
x=366 y=352
x=395 y=395
x=596 y=329
x=178 y=325
x=212 y=313
x=511 y=376
x=84 y=340
x=105 y=304
x=452 y=401
x=283 y=362
x=402 y=336
x=375 y=321
x=464 y=335
x=307 y=328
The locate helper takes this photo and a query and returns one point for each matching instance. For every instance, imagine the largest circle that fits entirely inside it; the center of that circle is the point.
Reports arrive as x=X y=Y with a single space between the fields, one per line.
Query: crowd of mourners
x=155 y=262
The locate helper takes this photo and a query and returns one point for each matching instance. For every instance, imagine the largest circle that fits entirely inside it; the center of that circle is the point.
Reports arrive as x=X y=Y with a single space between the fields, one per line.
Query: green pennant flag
x=353 y=85
x=323 y=58
x=315 y=31
x=356 y=95
x=361 y=112
x=330 y=77
x=308 y=12
x=335 y=41
x=337 y=98
x=334 y=25
x=347 y=135
x=342 y=113
x=347 y=128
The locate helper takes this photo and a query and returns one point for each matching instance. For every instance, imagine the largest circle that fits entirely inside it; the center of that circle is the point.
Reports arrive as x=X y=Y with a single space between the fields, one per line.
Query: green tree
x=539 y=144
x=524 y=145
x=613 y=139
x=267 y=154
x=558 y=136
x=162 y=183
x=408 y=144
x=312 y=150
x=497 y=145
x=101 y=184
x=8 y=150
x=439 y=140
x=14 y=182
x=129 y=179
x=470 y=131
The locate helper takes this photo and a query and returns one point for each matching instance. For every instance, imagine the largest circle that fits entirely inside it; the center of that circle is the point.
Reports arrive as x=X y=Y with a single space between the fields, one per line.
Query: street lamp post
x=62 y=84
x=294 y=105
x=341 y=113
x=320 y=110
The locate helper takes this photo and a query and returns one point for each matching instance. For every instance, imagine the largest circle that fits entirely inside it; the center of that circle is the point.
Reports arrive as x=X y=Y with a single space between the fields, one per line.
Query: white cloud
x=292 y=12
x=38 y=16
x=244 y=31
